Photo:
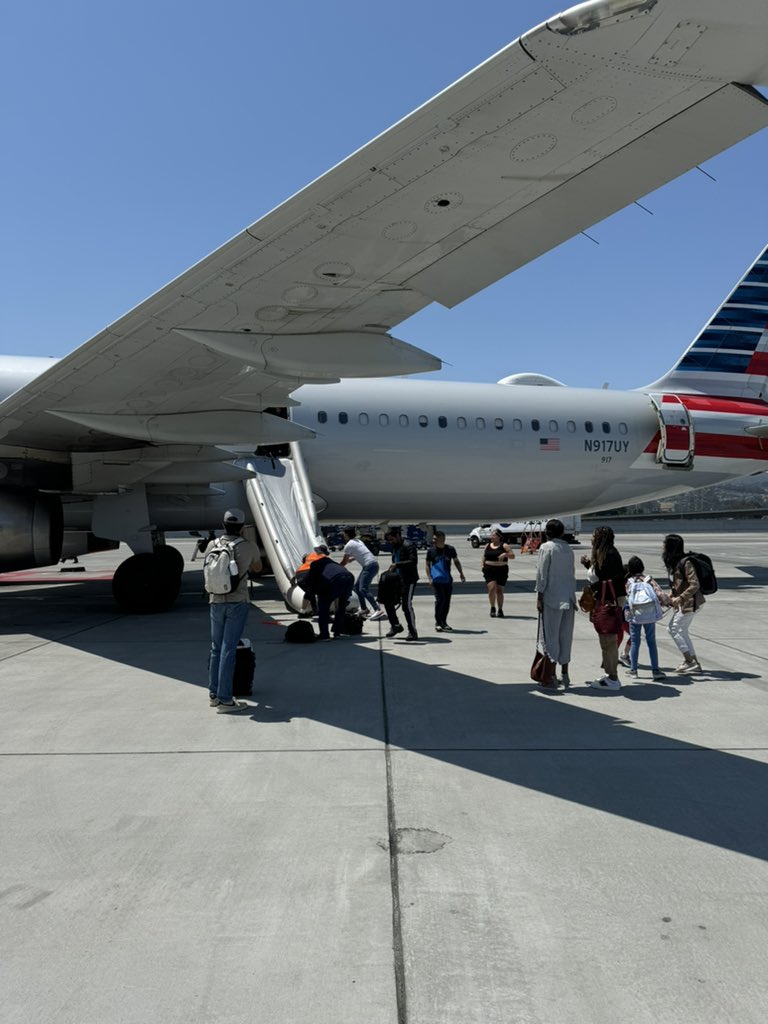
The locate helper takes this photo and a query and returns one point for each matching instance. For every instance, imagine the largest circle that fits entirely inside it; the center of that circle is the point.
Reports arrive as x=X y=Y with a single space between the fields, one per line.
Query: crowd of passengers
x=622 y=601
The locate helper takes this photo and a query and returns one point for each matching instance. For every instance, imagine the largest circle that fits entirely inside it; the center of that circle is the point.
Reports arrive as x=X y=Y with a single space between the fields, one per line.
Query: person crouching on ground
x=327 y=581
x=556 y=596
x=356 y=551
x=228 y=615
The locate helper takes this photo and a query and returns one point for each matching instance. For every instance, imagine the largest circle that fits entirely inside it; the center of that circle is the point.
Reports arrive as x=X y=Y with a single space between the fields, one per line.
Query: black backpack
x=300 y=632
x=352 y=624
x=703 y=565
x=390 y=587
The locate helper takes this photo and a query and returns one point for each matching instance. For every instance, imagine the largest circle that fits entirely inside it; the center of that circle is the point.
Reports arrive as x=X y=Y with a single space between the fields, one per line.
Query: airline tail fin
x=730 y=355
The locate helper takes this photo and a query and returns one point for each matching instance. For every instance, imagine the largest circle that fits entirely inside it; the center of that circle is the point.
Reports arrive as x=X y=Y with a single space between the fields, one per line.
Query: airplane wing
x=571 y=122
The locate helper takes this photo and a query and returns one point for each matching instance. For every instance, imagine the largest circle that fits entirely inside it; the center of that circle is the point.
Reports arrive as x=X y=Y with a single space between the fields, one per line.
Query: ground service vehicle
x=514 y=533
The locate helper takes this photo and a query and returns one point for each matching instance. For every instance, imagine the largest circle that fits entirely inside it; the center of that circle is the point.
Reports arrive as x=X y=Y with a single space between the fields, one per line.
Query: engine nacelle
x=31 y=529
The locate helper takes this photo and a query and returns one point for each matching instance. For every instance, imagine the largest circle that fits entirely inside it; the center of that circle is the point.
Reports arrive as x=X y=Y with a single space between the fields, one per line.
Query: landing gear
x=147 y=583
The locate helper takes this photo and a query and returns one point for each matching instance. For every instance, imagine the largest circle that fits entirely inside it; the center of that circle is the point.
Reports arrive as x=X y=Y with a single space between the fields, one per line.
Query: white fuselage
x=414 y=450
x=411 y=450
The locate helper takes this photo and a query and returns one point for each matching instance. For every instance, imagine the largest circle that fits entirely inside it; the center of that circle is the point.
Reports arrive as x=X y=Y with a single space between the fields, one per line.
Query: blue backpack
x=439 y=570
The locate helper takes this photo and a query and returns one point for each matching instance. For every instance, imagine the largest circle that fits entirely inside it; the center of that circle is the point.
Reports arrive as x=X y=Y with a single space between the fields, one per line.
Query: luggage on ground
x=245 y=663
x=300 y=632
x=352 y=624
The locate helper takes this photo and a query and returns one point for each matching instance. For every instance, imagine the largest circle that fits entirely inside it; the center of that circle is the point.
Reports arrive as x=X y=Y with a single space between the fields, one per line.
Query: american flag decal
x=549 y=444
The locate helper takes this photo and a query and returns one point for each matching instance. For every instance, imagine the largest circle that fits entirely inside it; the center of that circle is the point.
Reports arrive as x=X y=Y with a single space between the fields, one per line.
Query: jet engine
x=31 y=529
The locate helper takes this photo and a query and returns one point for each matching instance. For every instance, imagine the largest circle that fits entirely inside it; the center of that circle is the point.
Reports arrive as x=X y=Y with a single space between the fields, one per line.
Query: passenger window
x=606 y=427
x=423 y=421
x=535 y=425
x=570 y=426
x=623 y=428
x=553 y=427
x=480 y=423
x=343 y=417
x=461 y=422
x=517 y=424
x=363 y=419
x=442 y=421
x=498 y=423
x=403 y=420
x=322 y=417
x=588 y=426
x=383 y=420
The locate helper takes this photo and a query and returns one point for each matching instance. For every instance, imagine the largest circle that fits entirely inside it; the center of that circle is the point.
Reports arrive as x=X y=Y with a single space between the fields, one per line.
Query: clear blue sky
x=140 y=136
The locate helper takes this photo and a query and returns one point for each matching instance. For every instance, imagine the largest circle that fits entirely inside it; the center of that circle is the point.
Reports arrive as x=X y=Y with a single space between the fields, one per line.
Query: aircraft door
x=676 y=440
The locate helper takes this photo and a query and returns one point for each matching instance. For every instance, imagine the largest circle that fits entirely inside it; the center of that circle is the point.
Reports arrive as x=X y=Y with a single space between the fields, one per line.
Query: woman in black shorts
x=496 y=571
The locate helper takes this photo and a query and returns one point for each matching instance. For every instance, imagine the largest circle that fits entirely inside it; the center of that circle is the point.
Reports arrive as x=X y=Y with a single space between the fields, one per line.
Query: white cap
x=234 y=517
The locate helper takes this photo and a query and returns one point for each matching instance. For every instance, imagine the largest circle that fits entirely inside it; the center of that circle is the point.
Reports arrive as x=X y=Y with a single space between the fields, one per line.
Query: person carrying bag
x=543 y=668
x=606 y=576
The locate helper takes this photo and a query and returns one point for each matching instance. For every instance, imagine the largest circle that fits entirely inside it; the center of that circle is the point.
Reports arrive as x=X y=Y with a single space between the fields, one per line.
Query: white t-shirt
x=356 y=550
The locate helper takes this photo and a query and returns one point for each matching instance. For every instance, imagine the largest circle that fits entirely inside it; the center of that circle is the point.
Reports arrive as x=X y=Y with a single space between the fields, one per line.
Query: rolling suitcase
x=245 y=663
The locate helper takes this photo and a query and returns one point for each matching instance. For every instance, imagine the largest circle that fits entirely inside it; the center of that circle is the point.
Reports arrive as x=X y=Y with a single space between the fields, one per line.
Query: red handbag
x=607 y=616
x=543 y=668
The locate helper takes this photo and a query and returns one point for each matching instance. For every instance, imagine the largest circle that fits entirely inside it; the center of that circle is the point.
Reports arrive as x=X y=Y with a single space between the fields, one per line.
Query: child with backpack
x=644 y=607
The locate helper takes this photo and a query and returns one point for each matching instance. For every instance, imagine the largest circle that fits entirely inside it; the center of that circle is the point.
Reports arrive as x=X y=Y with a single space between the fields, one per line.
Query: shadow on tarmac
x=508 y=730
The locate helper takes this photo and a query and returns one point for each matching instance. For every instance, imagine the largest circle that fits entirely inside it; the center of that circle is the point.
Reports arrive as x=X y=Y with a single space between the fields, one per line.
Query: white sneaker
x=227 y=709
x=605 y=683
x=377 y=616
x=689 y=668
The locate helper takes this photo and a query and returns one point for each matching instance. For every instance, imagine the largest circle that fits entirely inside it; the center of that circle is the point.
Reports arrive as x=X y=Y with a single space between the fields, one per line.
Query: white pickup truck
x=513 y=533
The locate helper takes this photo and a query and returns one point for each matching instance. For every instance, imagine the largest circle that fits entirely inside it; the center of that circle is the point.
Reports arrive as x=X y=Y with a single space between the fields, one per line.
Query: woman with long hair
x=685 y=597
x=606 y=576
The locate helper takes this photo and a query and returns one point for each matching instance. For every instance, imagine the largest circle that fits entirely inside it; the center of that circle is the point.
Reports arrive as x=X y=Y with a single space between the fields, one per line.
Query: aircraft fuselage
x=443 y=451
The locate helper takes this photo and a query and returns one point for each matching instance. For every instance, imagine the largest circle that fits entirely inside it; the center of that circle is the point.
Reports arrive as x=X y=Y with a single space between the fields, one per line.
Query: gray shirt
x=556 y=575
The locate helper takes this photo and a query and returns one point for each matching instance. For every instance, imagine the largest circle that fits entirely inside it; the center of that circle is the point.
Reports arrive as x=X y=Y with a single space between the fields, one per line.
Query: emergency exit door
x=676 y=440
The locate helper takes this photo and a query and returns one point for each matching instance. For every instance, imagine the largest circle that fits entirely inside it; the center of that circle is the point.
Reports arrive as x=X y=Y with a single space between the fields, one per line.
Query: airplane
x=185 y=405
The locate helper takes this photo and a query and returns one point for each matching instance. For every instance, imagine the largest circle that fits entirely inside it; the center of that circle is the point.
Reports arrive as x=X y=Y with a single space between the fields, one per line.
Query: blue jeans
x=227 y=625
x=650 y=638
x=363 y=585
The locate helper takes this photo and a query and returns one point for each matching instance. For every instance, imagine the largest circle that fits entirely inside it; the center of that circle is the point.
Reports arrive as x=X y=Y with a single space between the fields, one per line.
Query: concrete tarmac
x=392 y=833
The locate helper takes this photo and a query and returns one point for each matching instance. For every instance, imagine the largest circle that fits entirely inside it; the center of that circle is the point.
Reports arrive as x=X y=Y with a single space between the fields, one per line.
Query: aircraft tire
x=172 y=555
x=145 y=584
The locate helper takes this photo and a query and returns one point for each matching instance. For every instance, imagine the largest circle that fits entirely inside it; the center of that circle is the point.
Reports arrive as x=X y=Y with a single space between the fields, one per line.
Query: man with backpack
x=439 y=558
x=405 y=561
x=228 y=560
